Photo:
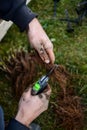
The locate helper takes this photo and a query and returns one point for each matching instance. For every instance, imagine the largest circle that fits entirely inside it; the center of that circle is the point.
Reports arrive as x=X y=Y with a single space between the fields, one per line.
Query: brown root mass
x=69 y=111
x=21 y=69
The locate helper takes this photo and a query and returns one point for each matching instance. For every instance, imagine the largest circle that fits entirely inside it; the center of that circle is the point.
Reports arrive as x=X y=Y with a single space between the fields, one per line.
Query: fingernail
x=47 y=61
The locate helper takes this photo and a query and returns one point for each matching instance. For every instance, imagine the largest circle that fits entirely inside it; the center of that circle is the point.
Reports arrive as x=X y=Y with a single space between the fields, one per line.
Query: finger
x=47 y=90
x=44 y=96
x=42 y=52
x=51 y=55
x=41 y=95
x=48 y=46
x=27 y=94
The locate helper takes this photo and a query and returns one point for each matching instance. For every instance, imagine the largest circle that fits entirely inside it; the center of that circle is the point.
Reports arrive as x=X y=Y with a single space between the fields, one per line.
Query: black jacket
x=16 y=11
x=15 y=125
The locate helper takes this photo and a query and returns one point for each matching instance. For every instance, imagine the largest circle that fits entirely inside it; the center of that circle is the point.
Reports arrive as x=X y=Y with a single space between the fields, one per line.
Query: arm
x=25 y=19
x=16 y=11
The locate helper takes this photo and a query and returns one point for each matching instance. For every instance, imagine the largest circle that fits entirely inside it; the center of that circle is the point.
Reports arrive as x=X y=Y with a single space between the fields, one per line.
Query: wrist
x=31 y=24
x=23 y=120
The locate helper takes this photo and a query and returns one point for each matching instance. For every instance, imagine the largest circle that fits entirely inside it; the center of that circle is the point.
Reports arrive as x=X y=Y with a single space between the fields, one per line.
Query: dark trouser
x=2 y=126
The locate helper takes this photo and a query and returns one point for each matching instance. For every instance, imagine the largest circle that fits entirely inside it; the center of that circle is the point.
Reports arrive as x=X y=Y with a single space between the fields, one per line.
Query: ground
x=69 y=48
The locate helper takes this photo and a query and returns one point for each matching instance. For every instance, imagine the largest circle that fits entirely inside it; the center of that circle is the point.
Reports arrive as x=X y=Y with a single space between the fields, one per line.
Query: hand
x=40 y=41
x=30 y=107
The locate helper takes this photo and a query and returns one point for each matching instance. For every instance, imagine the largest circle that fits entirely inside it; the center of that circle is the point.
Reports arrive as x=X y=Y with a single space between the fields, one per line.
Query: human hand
x=40 y=41
x=30 y=107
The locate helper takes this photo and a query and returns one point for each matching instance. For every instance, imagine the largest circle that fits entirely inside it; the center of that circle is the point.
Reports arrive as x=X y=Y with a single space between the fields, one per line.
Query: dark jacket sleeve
x=16 y=11
x=15 y=125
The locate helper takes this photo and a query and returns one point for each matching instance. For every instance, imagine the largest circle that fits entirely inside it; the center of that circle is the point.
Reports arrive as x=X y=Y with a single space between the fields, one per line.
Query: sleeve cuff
x=23 y=16
x=15 y=125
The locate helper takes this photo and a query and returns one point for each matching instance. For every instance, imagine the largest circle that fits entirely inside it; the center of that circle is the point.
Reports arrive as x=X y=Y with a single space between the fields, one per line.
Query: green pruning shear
x=41 y=84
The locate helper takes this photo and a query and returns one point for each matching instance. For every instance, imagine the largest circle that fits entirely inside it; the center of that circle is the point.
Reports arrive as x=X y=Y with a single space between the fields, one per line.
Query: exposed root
x=21 y=70
x=69 y=110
